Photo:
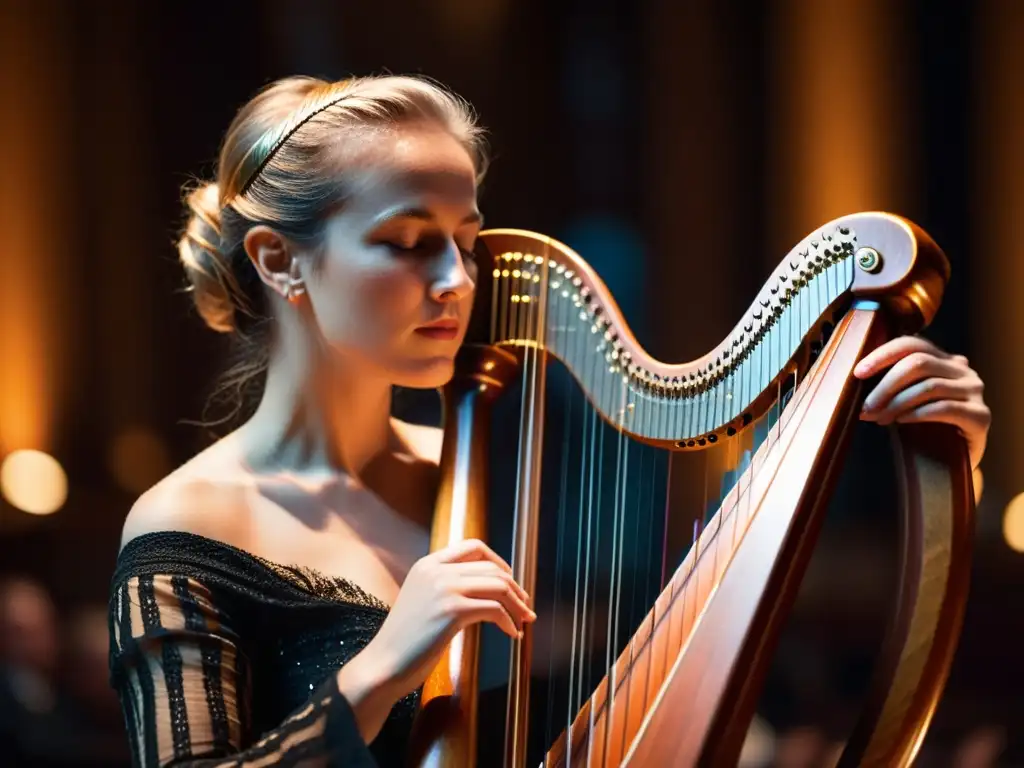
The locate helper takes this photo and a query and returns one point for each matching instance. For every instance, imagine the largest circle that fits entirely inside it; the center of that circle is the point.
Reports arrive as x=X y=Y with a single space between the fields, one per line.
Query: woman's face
x=393 y=287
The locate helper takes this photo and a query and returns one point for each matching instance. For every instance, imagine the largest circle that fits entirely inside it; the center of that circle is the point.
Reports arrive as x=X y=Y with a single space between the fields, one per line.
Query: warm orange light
x=138 y=459
x=34 y=482
x=1013 y=523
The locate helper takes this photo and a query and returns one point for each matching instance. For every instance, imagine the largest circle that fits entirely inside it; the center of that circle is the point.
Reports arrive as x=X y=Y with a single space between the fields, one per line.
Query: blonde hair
x=278 y=166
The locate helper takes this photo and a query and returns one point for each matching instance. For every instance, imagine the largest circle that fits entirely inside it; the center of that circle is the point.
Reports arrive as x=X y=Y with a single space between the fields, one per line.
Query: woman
x=250 y=613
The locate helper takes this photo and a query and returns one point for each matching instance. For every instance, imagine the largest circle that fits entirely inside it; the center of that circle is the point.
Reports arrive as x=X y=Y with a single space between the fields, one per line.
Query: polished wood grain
x=445 y=733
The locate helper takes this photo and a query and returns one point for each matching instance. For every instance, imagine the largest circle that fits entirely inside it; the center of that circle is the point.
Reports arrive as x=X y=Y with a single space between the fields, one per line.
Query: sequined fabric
x=222 y=658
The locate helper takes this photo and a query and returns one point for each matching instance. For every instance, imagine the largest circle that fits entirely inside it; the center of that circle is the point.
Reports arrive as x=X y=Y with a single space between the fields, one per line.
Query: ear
x=272 y=256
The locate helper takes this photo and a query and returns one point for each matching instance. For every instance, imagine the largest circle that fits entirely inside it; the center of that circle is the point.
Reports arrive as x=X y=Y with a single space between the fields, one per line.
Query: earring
x=293 y=288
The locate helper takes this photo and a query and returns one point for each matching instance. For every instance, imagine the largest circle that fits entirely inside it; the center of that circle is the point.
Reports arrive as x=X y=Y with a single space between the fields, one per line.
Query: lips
x=443 y=330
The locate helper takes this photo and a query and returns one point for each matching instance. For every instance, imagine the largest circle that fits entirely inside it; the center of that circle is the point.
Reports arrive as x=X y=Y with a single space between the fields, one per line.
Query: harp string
x=615 y=572
x=529 y=323
x=645 y=570
x=560 y=544
x=512 y=706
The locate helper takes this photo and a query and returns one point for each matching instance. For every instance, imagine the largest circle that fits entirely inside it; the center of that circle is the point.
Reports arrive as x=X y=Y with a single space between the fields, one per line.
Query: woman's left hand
x=925 y=384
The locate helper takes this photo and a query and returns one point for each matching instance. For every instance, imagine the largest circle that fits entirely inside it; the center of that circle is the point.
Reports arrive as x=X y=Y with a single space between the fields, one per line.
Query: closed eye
x=404 y=248
x=467 y=253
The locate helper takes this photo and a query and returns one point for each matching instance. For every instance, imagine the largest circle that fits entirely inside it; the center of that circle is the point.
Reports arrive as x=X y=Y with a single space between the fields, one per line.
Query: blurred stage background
x=682 y=147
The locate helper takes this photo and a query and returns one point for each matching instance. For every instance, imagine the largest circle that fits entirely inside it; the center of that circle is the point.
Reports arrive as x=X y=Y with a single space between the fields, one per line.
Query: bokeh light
x=33 y=482
x=1013 y=523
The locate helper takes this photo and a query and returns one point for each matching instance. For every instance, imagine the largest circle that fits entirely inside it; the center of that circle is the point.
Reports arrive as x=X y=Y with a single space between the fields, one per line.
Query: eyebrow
x=423 y=215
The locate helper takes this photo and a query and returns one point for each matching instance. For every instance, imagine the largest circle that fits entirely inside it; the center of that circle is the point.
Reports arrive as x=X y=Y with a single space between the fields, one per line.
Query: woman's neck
x=316 y=416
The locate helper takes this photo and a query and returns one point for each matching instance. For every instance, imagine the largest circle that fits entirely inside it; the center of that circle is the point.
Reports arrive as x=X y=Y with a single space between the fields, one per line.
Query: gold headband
x=269 y=143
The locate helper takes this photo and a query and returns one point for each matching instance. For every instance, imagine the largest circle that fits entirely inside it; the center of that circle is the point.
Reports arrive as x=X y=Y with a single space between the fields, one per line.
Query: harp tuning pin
x=738 y=340
x=794 y=265
x=750 y=326
x=782 y=278
x=725 y=354
x=814 y=243
x=844 y=230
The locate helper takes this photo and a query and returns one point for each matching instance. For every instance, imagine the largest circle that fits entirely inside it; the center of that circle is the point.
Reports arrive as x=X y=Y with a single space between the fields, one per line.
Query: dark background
x=681 y=147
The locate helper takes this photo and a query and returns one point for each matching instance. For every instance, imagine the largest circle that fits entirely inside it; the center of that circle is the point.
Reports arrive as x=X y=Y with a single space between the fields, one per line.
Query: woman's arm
x=184 y=686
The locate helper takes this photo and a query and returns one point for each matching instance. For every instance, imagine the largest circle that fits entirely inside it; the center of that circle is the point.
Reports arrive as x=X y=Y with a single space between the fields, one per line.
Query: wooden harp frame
x=885 y=276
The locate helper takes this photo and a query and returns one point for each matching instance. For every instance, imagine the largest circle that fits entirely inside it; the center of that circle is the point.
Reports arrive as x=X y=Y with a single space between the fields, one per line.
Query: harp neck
x=542 y=294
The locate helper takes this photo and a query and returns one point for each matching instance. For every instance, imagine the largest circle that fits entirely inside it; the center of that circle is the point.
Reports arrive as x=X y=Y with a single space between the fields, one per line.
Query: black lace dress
x=221 y=658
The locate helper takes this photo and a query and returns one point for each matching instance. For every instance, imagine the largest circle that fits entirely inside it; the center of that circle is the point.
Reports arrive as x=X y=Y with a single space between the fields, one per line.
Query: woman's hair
x=281 y=164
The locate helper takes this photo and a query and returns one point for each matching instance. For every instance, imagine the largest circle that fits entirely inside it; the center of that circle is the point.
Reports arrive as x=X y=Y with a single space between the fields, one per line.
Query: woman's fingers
x=915 y=367
x=474 y=610
x=969 y=416
x=928 y=390
x=498 y=590
x=489 y=569
x=469 y=550
x=892 y=351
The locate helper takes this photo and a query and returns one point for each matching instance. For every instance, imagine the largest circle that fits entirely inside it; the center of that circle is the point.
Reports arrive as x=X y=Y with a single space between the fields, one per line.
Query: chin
x=425 y=374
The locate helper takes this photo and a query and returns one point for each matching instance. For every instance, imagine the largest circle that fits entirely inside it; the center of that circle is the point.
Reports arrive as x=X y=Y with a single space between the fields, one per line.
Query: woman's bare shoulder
x=207 y=496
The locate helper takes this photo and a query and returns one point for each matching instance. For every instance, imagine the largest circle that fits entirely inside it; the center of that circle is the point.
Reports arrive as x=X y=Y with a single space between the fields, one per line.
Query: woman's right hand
x=443 y=593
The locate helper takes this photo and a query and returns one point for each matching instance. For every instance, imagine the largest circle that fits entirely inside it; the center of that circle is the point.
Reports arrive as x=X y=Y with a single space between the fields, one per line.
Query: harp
x=677 y=680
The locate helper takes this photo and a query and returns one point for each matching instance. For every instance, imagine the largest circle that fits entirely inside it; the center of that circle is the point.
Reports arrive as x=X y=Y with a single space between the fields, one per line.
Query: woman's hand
x=925 y=384
x=443 y=593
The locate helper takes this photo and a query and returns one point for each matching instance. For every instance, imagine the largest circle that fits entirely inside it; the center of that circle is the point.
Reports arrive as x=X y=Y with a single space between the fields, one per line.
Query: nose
x=452 y=280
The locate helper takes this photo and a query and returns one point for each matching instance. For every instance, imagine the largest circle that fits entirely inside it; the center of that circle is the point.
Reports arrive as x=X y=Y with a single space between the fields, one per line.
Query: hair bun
x=208 y=270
